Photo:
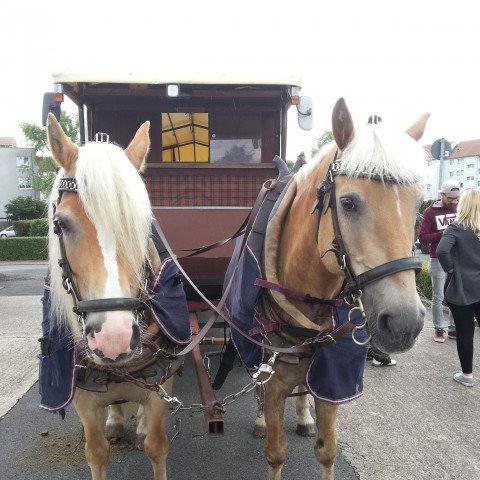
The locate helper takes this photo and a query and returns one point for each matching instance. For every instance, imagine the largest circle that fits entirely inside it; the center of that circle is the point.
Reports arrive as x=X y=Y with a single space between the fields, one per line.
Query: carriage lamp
x=58 y=92
x=173 y=90
x=295 y=95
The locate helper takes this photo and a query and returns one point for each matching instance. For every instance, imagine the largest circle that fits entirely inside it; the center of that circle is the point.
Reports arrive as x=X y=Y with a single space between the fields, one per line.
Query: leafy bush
x=38 y=227
x=24 y=248
x=424 y=284
x=25 y=208
x=31 y=228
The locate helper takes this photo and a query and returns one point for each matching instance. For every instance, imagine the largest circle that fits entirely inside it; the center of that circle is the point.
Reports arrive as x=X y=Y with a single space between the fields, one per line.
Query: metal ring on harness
x=362 y=326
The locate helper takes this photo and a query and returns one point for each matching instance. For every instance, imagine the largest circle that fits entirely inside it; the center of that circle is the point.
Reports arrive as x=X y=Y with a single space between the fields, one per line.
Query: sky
x=395 y=59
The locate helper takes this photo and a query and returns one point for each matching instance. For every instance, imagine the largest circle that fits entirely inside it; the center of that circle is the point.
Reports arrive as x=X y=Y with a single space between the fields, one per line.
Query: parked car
x=8 y=232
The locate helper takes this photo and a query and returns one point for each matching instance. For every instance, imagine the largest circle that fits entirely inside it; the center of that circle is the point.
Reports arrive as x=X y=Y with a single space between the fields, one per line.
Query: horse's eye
x=348 y=204
x=59 y=226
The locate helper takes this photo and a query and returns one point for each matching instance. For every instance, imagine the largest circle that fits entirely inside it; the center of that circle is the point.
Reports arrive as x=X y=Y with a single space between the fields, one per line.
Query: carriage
x=213 y=140
x=308 y=285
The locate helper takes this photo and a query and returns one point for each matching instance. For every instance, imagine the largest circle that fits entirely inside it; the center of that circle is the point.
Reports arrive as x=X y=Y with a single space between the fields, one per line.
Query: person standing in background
x=435 y=219
x=459 y=255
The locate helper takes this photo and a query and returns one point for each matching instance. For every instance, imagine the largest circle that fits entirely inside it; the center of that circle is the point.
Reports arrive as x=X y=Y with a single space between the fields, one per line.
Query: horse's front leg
x=97 y=447
x=156 y=442
x=114 y=426
x=326 y=444
x=305 y=421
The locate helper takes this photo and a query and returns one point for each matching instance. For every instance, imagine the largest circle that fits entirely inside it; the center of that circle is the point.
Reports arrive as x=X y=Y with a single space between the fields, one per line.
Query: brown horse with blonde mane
x=100 y=235
x=343 y=228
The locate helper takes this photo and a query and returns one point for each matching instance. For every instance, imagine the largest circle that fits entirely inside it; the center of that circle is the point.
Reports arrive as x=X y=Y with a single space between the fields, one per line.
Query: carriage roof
x=165 y=77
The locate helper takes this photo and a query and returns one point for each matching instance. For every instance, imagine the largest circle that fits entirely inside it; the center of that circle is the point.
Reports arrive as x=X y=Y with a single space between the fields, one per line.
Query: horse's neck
x=301 y=267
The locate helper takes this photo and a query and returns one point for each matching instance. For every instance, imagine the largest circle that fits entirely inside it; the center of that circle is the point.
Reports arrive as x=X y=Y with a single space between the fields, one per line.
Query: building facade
x=16 y=173
x=462 y=164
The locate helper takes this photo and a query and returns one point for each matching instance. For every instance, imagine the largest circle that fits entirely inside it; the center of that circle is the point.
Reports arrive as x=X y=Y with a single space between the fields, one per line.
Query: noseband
x=82 y=307
x=325 y=200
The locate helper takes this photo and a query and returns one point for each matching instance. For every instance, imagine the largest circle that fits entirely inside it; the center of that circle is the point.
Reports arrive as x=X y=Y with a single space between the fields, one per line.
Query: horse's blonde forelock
x=114 y=197
x=378 y=150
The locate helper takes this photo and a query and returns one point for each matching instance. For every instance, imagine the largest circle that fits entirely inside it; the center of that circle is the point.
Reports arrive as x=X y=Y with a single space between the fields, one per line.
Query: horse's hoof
x=306 y=430
x=259 y=431
x=139 y=440
x=114 y=432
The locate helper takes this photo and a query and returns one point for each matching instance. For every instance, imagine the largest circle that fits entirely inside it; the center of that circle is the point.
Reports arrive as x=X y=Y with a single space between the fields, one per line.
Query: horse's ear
x=342 y=124
x=418 y=128
x=138 y=149
x=64 y=151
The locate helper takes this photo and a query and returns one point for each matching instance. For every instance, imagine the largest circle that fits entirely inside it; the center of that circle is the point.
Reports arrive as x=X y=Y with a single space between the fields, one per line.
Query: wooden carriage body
x=212 y=144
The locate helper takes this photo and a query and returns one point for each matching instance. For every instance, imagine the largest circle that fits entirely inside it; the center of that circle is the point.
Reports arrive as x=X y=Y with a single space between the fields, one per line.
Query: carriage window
x=185 y=137
x=236 y=138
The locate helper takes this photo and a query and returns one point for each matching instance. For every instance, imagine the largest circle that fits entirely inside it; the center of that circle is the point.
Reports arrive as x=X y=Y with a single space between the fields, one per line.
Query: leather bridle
x=326 y=200
x=82 y=307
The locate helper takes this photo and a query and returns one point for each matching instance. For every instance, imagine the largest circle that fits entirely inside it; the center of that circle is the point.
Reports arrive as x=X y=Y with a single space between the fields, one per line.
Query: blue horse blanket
x=168 y=305
x=335 y=373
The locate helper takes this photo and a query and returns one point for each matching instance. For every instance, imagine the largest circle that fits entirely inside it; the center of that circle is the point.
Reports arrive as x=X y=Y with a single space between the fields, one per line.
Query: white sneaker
x=384 y=362
x=460 y=378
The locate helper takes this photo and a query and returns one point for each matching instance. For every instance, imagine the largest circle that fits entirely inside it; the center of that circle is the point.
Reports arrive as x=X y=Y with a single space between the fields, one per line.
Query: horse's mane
x=113 y=195
x=377 y=150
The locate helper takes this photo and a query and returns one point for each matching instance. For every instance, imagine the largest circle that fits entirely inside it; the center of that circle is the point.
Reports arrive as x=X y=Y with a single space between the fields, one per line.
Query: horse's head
x=366 y=193
x=100 y=222
x=376 y=199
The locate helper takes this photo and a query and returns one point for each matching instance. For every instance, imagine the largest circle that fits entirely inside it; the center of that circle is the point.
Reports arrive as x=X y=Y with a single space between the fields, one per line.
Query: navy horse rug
x=335 y=372
x=59 y=371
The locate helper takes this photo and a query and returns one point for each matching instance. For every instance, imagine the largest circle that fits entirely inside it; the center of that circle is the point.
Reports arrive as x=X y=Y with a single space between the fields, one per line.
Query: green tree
x=45 y=168
x=325 y=138
x=25 y=208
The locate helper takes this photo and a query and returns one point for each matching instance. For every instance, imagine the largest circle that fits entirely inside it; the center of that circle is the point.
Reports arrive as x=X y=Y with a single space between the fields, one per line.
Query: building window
x=428 y=186
x=459 y=161
x=471 y=165
x=451 y=174
x=470 y=178
x=24 y=183
x=459 y=173
x=451 y=161
x=23 y=163
x=429 y=163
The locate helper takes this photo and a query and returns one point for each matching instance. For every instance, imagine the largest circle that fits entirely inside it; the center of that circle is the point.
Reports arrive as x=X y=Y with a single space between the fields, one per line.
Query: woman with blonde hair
x=459 y=254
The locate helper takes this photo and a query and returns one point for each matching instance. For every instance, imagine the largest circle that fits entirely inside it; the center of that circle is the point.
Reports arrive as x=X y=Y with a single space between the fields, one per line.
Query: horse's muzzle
x=112 y=337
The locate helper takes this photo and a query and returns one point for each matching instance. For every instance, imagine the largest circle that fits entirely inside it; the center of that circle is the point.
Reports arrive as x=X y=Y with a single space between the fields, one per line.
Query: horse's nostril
x=384 y=324
x=135 y=336
x=88 y=331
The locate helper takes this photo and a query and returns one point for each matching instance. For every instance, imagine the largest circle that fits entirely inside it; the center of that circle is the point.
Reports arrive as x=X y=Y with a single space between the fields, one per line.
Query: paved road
x=413 y=422
x=36 y=445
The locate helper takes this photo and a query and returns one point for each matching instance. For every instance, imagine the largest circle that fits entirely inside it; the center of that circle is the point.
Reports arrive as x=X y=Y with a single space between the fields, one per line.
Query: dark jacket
x=459 y=249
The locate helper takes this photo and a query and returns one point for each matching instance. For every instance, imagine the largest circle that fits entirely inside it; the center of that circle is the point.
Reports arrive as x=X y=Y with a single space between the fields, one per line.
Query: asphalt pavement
x=412 y=423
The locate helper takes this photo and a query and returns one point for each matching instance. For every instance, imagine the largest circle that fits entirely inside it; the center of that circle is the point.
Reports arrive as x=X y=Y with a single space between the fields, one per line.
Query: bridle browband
x=326 y=200
x=82 y=307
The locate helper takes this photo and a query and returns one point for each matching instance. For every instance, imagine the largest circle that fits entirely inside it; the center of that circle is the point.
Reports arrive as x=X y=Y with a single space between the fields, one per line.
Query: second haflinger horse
x=330 y=271
x=116 y=310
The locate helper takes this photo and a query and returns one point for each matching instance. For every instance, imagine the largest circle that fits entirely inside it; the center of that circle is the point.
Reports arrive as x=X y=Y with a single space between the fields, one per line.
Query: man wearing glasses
x=435 y=220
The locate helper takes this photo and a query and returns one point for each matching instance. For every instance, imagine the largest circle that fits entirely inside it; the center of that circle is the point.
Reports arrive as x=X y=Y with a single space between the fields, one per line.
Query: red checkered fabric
x=194 y=190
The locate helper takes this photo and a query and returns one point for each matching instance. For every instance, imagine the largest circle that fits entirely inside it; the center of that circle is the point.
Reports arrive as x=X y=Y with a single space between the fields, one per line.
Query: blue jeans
x=438 y=277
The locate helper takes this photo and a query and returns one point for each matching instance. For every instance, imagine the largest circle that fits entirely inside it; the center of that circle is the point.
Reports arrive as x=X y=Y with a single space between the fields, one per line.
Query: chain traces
x=178 y=406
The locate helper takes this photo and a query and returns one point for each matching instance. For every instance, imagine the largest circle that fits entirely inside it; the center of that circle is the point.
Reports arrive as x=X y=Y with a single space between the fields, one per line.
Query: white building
x=461 y=164
x=16 y=172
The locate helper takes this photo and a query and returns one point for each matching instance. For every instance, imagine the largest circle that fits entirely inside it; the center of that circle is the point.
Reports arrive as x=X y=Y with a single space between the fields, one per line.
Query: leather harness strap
x=324 y=340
